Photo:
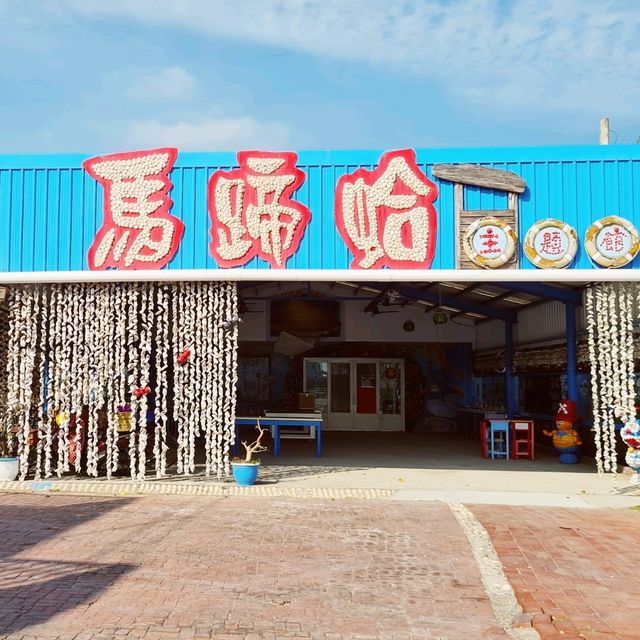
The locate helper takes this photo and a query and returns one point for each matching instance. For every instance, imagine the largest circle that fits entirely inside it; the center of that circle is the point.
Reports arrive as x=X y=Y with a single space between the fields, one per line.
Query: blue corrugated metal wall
x=50 y=209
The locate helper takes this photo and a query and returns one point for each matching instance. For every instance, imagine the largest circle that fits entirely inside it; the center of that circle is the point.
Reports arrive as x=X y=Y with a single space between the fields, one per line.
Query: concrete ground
x=415 y=467
x=371 y=541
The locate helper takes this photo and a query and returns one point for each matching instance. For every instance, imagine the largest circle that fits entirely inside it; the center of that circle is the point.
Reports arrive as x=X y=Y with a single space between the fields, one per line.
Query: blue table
x=276 y=421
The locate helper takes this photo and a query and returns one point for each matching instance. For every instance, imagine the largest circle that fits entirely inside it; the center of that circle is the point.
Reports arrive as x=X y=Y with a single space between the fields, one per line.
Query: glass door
x=340 y=395
x=316 y=381
x=391 y=395
x=363 y=394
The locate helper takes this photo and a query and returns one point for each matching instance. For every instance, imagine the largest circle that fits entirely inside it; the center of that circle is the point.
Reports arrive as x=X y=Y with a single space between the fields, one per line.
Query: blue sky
x=97 y=76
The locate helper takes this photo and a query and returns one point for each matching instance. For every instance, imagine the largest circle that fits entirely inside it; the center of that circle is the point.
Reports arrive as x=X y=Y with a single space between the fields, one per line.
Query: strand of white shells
x=163 y=348
x=592 y=333
x=628 y=368
x=42 y=384
x=92 y=333
x=147 y=317
x=213 y=427
x=202 y=338
x=607 y=371
x=120 y=372
x=177 y=312
x=78 y=357
x=232 y=374
x=192 y=384
x=133 y=310
x=30 y=316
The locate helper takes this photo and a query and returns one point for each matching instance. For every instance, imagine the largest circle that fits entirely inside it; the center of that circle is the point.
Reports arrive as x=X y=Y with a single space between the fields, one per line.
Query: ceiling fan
x=374 y=310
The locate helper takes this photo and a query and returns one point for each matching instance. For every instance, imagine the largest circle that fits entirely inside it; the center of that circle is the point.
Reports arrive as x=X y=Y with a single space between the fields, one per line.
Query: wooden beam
x=447 y=301
x=478 y=176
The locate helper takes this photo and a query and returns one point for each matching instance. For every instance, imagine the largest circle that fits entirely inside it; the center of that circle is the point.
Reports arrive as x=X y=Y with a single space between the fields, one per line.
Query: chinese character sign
x=251 y=210
x=613 y=241
x=551 y=244
x=138 y=231
x=490 y=241
x=386 y=216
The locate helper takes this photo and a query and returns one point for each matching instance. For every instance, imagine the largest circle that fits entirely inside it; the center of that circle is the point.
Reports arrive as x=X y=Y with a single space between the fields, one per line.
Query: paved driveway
x=254 y=568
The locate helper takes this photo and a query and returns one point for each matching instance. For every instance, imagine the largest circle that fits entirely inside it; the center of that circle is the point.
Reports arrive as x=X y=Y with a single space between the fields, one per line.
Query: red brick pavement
x=255 y=568
x=576 y=571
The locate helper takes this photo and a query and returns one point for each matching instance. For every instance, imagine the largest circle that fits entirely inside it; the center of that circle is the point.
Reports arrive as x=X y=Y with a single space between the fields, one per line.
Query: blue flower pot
x=245 y=474
x=569 y=455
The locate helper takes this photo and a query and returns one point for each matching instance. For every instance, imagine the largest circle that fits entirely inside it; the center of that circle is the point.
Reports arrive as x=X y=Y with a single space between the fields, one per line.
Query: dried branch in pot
x=255 y=446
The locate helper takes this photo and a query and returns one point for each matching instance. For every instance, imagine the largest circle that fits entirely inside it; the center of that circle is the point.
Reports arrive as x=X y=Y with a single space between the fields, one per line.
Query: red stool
x=522 y=442
x=484 y=438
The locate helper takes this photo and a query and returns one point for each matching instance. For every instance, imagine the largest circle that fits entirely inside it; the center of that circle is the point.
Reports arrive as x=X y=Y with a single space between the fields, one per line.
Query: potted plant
x=245 y=471
x=9 y=462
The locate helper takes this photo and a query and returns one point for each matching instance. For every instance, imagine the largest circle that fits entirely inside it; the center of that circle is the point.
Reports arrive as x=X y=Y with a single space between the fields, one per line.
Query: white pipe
x=327 y=275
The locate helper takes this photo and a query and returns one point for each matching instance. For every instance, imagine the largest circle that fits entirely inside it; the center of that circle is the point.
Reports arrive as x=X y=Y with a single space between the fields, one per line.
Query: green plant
x=8 y=442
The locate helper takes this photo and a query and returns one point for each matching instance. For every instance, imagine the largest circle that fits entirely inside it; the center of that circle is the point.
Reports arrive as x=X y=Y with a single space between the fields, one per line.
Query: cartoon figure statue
x=630 y=435
x=566 y=439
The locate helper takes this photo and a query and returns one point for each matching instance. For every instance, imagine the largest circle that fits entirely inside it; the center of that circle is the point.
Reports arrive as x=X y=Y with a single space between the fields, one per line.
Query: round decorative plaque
x=612 y=242
x=489 y=242
x=551 y=244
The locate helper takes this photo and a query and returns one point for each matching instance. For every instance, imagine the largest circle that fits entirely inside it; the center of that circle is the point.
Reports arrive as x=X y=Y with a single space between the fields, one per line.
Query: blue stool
x=498 y=439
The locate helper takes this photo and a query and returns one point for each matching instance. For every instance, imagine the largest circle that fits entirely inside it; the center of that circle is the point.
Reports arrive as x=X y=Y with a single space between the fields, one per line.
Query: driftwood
x=255 y=446
x=478 y=176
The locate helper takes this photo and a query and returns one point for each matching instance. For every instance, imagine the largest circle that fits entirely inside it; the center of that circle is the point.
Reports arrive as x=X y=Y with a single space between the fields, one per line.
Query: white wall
x=541 y=322
x=360 y=326
x=490 y=335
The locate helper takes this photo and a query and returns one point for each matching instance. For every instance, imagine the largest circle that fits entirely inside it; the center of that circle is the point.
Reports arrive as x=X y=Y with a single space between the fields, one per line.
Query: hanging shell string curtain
x=77 y=355
x=609 y=311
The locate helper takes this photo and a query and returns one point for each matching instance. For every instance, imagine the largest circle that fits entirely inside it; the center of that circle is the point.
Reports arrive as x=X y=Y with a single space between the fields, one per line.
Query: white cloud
x=219 y=134
x=172 y=84
x=533 y=55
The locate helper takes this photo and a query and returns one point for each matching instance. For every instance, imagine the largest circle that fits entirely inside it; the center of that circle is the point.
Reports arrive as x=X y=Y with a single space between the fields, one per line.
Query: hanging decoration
x=96 y=373
x=551 y=244
x=612 y=242
x=489 y=242
x=609 y=313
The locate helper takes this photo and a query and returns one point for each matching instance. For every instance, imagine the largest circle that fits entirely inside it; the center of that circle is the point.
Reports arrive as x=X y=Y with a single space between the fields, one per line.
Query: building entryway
x=364 y=394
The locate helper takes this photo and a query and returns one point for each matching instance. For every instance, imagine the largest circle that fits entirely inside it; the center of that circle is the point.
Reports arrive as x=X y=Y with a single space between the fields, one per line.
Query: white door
x=357 y=395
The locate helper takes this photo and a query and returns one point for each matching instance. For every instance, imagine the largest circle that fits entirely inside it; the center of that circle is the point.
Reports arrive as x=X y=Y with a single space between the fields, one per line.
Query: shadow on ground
x=33 y=588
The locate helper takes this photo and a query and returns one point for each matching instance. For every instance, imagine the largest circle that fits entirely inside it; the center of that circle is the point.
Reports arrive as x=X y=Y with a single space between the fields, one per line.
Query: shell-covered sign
x=551 y=244
x=489 y=242
x=386 y=215
x=612 y=242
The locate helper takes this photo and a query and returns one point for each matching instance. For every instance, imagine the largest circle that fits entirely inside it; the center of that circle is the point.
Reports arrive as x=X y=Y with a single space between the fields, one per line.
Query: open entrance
x=406 y=358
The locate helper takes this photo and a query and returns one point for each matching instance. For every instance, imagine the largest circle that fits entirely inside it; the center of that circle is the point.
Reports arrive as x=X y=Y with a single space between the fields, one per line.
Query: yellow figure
x=62 y=417
x=564 y=435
